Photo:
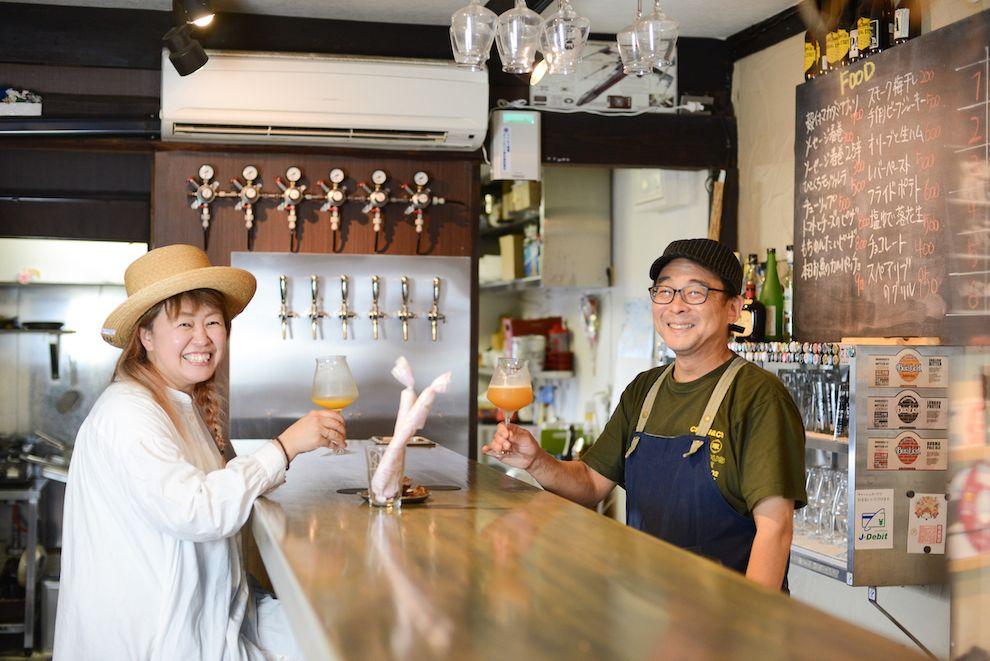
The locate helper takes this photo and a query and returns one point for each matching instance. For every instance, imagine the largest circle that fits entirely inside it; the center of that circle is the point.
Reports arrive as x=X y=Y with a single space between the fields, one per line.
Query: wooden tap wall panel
x=449 y=229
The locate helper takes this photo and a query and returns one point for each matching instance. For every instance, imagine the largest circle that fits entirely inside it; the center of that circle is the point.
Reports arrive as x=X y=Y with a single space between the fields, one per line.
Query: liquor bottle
x=888 y=18
x=853 y=13
x=752 y=268
x=837 y=40
x=868 y=27
x=753 y=319
x=772 y=296
x=812 y=56
x=787 y=282
x=907 y=21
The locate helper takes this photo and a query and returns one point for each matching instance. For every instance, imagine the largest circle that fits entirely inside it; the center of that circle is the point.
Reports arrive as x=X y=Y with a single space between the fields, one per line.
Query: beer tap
x=419 y=199
x=375 y=314
x=344 y=314
x=248 y=193
x=315 y=313
x=375 y=200
x=434 y=315
x=404 y=314
x=335 y=198
x=204 y=193
x=292 y=194
x=284 y=313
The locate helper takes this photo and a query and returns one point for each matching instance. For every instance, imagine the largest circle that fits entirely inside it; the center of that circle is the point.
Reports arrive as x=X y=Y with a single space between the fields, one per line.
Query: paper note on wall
x=874 y=519
x=926 y=523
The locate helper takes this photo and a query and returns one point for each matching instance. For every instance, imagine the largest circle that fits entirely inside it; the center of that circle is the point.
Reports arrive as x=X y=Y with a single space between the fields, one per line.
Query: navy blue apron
x=670 y=491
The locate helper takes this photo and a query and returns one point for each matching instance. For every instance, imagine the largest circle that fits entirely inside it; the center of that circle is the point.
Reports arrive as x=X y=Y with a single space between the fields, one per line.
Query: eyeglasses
x=692 y=295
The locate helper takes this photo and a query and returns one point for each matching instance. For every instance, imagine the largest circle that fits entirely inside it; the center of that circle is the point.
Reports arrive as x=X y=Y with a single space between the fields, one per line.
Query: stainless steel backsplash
x=271 y=378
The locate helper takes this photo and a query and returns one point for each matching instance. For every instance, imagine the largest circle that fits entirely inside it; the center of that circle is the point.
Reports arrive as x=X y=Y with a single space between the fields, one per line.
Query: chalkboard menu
x=892 y=192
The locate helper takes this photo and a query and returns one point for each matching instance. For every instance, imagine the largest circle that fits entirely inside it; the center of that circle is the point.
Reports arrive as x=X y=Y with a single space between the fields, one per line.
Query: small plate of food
x=411 y=493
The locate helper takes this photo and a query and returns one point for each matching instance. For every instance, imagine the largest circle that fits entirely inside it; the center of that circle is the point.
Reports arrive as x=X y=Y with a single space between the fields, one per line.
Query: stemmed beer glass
x=333 y=386
x=511 y=387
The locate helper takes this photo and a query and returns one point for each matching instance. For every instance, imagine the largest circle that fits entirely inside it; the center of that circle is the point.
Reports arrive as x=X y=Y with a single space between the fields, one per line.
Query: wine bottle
x=907 y=21
x=787 y=282
x=868 y=27
x=837 y=40
x=772 y=297
x=852 y=14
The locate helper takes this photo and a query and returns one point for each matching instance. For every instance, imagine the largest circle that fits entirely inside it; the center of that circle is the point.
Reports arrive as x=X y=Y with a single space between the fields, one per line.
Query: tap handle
x=343 y=289
x=405 y=291
x=436 y=291
x=314 y=287
x=375 y=289
x=283 y=288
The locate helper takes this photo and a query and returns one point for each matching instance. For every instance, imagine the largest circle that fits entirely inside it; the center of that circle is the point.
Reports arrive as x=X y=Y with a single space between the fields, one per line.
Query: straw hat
x=165 y=272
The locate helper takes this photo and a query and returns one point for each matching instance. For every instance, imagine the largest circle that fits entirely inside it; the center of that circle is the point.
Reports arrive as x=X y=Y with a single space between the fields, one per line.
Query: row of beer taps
x=345 y=314
x=205 y=190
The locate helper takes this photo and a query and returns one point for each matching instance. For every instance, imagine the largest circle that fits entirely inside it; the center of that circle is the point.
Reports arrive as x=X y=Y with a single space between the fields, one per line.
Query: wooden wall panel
x=450 y=229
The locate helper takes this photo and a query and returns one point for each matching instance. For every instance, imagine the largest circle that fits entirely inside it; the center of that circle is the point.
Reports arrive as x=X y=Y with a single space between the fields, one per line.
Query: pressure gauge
x=294 y=194
x=250 y=172
x=337 y=196
x=336 y=176
x=206 y=171
x=206 y=193
x=250 y=193
x=293 y=174
x=378 y=177
x=421 y=178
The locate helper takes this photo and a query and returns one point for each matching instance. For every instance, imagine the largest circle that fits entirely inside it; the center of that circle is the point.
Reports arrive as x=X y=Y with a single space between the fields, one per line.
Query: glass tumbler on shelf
x=824 y=492
x=333 y=386
x=840 y=510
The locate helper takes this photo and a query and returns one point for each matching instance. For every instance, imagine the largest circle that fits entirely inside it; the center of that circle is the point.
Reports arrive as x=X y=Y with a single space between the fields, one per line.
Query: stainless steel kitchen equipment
x=270 y=380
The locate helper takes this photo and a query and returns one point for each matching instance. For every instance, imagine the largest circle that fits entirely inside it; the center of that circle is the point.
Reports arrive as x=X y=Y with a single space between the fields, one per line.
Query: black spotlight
x=184 y=52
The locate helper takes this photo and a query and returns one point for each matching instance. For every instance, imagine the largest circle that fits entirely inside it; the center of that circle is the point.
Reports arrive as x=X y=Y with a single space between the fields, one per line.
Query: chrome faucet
x=375 y=314
x=284 y=313
x=434 y=315
x=404 y=314
x=315 y=313
x=344 y=314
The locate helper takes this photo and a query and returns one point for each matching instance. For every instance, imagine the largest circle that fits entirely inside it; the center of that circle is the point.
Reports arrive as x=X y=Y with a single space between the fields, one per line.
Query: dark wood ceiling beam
x=766 y=33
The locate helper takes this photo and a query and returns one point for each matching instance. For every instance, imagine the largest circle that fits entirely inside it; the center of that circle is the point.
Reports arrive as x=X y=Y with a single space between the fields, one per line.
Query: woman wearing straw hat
x=151 y=557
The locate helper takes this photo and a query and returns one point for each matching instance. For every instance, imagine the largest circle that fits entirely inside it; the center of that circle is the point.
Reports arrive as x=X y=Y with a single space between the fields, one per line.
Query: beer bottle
x=870 y=27
x=853 y=14
x=907 y=21
x=888 y=18
x=837 y=40
x=812 y=56
x=772 y=297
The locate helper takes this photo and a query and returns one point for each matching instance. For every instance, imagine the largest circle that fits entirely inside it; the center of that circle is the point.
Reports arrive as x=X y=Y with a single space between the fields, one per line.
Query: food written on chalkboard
x=891 y=205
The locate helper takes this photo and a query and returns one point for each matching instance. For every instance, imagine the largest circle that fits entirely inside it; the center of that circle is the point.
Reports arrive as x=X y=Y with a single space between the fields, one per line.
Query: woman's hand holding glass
x=316 y=429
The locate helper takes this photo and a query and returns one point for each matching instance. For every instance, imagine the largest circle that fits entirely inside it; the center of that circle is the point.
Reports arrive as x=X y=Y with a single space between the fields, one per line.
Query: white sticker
x=908 y=369
x=874 y=519
x=907 y=452
x=907 y=410
x=926 y=523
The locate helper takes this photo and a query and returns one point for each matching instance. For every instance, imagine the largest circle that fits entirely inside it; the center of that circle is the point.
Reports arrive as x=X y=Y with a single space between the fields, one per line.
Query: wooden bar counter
x=499 y=570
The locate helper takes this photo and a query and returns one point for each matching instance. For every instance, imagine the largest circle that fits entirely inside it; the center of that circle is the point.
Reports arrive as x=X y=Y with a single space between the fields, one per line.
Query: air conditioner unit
x=304 y=99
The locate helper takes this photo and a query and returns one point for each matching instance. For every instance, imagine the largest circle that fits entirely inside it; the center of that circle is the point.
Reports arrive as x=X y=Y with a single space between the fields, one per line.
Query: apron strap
x=651 y=397
x=715 y=401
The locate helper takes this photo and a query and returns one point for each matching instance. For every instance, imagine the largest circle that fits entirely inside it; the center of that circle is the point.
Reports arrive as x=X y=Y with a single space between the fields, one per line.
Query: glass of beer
x=511 y=387
x=333 y=386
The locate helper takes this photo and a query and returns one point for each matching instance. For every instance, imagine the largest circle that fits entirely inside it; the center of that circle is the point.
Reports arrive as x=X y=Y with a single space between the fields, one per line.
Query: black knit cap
x=714 y=256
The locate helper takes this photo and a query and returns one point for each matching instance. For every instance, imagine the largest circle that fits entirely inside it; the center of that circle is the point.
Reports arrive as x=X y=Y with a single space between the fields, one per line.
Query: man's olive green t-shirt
x=756 y=443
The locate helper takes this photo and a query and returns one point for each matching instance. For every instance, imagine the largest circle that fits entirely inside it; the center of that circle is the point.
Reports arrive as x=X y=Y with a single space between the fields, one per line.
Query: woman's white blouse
x=151 y=557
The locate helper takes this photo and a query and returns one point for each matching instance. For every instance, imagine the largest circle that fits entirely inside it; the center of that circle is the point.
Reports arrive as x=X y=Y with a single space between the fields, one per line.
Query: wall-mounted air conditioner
x=303 y=99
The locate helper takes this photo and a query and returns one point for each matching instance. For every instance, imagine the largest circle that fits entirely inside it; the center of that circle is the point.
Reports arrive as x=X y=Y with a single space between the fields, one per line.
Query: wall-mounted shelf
x=511 y=285
x=827 y=442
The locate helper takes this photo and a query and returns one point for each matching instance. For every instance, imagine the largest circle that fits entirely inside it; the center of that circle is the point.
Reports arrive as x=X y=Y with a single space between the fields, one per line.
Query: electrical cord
x=520 y=104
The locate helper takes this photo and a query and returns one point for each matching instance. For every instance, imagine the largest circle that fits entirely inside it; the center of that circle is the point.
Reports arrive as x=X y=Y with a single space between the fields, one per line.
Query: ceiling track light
x=185 y=53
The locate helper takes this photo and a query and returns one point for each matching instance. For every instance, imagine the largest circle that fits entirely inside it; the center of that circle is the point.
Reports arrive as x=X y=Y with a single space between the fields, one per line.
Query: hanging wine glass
x=563 y=37
x=657 y=36
x=517 y=38
x=634 y=60
x=472 y=30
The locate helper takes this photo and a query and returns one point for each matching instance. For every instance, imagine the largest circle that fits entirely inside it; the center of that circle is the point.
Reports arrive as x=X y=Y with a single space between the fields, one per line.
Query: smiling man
x=710 y=449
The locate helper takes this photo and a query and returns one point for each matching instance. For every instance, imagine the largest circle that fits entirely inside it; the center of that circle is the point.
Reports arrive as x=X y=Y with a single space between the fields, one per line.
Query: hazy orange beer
x=510 y=398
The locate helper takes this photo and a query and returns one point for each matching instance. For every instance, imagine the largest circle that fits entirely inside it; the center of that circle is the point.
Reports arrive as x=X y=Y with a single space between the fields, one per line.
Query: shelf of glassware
x=827 y=442
x=825 y=558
